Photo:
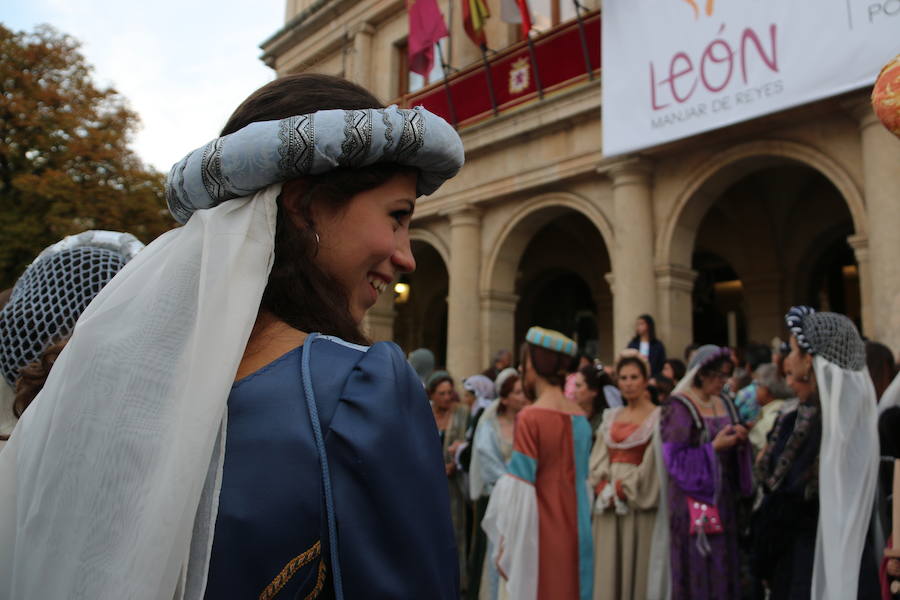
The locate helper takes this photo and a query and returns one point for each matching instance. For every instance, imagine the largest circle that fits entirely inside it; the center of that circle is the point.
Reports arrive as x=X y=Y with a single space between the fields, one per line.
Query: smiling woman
x=225 y=364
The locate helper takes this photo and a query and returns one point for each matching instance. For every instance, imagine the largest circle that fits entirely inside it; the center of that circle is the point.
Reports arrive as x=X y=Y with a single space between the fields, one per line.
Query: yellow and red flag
x=426 y=27
x=474 y=15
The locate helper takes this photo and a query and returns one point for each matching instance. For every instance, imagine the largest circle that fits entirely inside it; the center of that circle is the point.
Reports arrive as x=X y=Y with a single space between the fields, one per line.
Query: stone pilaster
x=675 y=318
x=860 y=245
x=360 y=68
x=498 y=322
x=464 y=310
x=634 y=290
x=881 y=181
x=379 y=321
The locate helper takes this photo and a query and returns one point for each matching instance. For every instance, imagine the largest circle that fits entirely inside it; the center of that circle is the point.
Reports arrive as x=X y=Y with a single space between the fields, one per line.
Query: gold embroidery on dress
x=291 y=569
x=320 y=582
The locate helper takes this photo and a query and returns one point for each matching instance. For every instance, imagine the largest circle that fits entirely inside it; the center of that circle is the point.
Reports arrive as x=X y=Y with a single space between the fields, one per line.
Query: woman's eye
x=401 y=216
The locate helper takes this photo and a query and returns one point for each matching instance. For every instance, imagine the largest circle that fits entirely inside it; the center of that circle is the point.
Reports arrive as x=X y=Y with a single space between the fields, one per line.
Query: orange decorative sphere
x=886 y=96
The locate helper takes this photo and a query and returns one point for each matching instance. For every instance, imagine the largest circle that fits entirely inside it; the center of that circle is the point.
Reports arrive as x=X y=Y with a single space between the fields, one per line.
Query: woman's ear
x=291 y=197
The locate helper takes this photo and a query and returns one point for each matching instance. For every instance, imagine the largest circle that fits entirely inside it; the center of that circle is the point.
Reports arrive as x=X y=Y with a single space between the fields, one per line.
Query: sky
x=183 y=66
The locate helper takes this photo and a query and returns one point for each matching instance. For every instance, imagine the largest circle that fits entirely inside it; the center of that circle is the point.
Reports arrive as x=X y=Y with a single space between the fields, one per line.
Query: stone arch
x=432 y=239
x=504 y=253
x=526 y=220
x=675 y=241
x=421 y=320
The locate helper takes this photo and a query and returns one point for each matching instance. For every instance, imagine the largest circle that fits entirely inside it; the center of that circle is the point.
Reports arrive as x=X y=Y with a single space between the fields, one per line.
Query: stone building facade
x=715 y=235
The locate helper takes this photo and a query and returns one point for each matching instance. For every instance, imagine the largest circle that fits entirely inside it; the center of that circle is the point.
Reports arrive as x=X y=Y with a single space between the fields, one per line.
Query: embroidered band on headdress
x=551 y=340
x=268 y=152
x=54 y=290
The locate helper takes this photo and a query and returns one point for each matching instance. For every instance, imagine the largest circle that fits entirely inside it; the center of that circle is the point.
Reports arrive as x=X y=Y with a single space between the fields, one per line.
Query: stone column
x=463 y=311
x=498 y=322
x=675 y=322
x=360 y=68
x=860 y=245
x=881 y=180
x=634 y=289
x=379 y=321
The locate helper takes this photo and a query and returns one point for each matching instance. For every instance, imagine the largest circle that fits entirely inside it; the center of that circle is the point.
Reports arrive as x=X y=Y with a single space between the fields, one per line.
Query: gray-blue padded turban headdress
x=53 y=292
x=268 y=152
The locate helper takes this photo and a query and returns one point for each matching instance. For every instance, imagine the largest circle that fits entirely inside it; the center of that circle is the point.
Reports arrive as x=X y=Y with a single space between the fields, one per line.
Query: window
x=407 y=81
x=550 y=13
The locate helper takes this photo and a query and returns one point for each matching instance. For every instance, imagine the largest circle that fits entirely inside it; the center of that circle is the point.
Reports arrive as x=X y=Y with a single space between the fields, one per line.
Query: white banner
x=674 y=68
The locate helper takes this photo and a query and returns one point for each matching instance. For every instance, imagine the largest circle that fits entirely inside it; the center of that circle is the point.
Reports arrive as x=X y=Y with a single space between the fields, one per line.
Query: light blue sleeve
x=490 y=459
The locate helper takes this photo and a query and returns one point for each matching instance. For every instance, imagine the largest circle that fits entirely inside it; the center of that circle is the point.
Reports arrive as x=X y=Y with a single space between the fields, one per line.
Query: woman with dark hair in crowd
x=493 y=445
x=661 y=387
x=216 y=426
x=624 y=476
x=47 y=301
x=707 y=460
x=539 y=516
x=810 y=544
x=594 y=393
x=674 y=369
x=645 y=342
x=452 y=420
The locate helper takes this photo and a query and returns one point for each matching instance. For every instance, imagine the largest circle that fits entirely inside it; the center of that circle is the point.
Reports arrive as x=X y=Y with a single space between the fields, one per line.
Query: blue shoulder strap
x=306 y=380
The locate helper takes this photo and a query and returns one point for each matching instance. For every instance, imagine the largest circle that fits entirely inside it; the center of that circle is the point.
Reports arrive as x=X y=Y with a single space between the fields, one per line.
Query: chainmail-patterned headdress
x=53 y=292
x=832 y=336
x=268 y=152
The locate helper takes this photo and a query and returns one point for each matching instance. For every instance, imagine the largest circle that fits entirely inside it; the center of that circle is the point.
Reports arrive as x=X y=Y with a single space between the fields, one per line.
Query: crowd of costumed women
x=678 y=496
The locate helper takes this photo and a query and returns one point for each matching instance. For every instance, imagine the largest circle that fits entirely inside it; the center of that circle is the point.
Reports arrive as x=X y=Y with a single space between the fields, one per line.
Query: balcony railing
x=562 y=56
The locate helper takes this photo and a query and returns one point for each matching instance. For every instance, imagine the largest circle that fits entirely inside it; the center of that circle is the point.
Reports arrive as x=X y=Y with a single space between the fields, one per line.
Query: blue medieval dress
x=363 y=514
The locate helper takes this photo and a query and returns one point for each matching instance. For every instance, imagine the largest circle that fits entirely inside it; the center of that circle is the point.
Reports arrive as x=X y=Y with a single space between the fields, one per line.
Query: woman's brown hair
x=298 y=291
x=550 y=365
x=33 y=376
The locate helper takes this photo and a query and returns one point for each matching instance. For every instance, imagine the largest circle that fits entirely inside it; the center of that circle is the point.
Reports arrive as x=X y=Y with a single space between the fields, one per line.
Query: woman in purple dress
x=707 y=460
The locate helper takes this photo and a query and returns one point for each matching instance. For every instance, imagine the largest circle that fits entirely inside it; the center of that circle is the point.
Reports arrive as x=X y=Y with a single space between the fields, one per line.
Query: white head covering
x=110 y=481
x=53 y=292
x=502 y=377
x=702 y=356
x=848 y=456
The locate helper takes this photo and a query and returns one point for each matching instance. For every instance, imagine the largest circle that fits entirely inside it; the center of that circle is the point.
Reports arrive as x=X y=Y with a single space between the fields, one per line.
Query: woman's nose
x=403 y=257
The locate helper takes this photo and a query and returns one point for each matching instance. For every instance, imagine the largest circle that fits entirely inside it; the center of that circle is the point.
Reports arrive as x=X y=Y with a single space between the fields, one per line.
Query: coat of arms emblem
x=519 y=78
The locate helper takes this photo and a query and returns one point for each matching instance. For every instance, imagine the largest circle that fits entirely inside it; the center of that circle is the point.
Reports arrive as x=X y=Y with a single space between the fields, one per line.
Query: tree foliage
x=65 y=164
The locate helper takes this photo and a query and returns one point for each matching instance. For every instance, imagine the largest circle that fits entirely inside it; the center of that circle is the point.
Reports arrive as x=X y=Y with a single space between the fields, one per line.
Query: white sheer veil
x=848 y=473
x=103 y=476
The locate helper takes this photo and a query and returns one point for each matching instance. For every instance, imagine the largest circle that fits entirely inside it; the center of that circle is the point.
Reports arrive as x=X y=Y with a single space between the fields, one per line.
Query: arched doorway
x=774 y=237
x=560 y=284
x=548 y=263
x=421 y=306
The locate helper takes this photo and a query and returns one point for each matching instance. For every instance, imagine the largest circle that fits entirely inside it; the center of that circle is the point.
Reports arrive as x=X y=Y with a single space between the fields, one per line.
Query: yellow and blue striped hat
x=551 y=340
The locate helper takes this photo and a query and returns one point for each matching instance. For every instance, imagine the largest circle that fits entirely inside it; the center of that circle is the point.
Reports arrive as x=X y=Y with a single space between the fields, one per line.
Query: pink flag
x=426 y=27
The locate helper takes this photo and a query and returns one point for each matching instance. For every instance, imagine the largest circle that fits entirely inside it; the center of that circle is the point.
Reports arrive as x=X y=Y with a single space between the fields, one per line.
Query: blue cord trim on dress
x=323 y=462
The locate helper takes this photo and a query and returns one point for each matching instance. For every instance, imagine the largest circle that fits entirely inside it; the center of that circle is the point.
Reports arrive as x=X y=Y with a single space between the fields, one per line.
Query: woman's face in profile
x=365 y=246
x=668 y=371
x=799 y=372
x=516 y=399
x=584 y=395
